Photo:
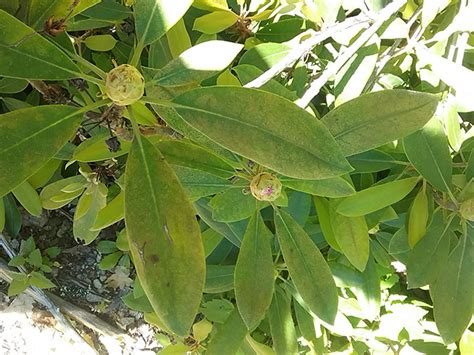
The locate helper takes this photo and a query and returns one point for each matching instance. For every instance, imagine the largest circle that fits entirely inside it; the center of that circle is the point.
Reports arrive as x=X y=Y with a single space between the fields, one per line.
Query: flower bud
x=124 y=85
x=265 y=187
x=467 y=210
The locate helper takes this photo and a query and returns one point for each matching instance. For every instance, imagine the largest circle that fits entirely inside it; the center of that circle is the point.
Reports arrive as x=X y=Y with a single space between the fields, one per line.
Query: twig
x=305 y=47
x=41 y=297
x=334 y=67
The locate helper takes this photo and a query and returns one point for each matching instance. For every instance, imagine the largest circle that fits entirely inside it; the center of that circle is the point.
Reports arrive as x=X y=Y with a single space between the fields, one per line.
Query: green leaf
x=2 y=214
x=219 y=278
x=198 y=183
x=100 y=43
x=428 y=151
x=215 y=22
x=32 y=136
x=323 y=208
x=374 y=119
x=109 y=261
x=261 y=126
x=12 y=85
x=35 y=259
x=254 y=275
x=281 y=31
x=95 y=149
x=418 y=218
x=178 y=39
x=163 y=232
x=368 y=291
x=13 y=219
x=352 y=78
x=17 y=260
x=17 y=286
x=110 y=214
x=229 y=336
x=26 y=54
x=352 y=236
x=281 y=324
x=307 y=267
x=193 y=156
x=332 y=187
x=265 y=55
x=217 y=310
x=198 y=63
x=28 y=197
x=452 y=291
x=233 y=205
x=49 y=192
x=40 y=11
x=371 y=161
x=39 y=280
x=91 y=202
x=153 y=18
x=376 y=197
x=44 y=174
x=430 y=255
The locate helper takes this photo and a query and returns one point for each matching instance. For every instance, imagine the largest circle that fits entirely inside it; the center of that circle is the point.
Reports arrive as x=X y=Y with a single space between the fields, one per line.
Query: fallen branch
x=334 y=67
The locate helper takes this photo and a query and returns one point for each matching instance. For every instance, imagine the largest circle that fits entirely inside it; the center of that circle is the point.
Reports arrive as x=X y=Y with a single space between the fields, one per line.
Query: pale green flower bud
x=265 y=187
x=124 y=85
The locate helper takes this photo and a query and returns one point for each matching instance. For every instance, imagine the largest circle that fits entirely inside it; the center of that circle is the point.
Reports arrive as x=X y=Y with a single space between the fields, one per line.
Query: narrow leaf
x=28 y=197
x=164 y=237
x=307 y=267
x=33 y=136
x=418 y=218
x=254 y=276
x=281 y=324
x=265 y=128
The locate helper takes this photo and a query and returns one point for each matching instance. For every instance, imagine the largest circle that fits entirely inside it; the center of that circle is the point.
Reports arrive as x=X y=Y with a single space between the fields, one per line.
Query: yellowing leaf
x=164 y=237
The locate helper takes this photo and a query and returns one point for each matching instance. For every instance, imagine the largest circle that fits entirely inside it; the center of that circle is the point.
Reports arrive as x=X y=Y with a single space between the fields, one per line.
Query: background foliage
x=360 y=110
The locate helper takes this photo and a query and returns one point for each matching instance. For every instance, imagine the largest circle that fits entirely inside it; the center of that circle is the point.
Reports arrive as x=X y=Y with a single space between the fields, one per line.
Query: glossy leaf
x=428 y=151
x=374 y=119
x=50 y=192
x=28 y=197
x=229 y=336
x=26 y=54
x=153 y=18
x=33 y=136
x=198 y=63
x=264 y=131
x=352 y=236
x=281 y=324
x=215 y=22
x=452 y=291
x=162 y=232
x=376 y=197
x=254 y=275
x=307 y=267
x=100 y=43
x=429 y=256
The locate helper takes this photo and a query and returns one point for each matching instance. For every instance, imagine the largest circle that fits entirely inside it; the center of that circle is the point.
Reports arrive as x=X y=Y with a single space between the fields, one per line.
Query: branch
x=334 y=67
x=297 y=52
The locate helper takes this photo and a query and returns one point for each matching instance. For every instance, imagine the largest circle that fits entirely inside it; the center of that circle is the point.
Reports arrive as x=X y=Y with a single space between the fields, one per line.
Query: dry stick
x=296 y=53
x=334 y=67
x=41 y=297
